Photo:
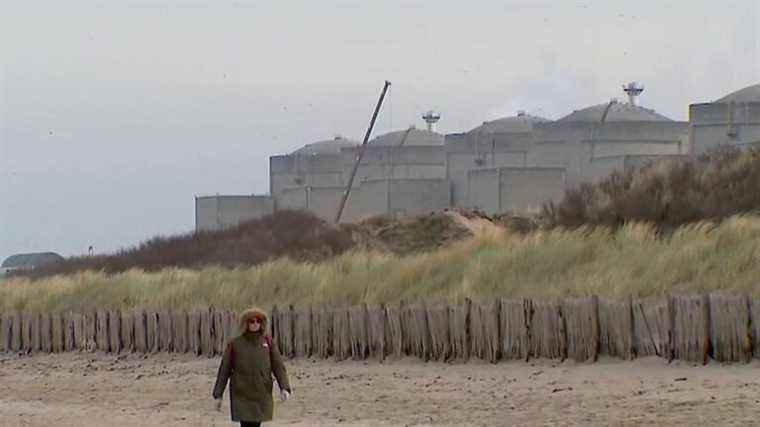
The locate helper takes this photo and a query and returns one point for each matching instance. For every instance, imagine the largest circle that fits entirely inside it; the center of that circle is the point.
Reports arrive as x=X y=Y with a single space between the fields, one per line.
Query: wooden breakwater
x=697 y=328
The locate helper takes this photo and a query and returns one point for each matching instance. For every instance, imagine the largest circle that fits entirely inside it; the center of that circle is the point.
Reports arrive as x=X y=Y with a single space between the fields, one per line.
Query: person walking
x=249 y=361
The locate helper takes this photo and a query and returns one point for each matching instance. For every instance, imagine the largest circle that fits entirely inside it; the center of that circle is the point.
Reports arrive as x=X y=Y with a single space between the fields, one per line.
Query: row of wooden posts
x=725 y=328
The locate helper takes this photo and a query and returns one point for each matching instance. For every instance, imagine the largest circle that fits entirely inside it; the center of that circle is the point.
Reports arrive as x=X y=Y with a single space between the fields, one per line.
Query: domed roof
x=521 y=123
x=619 y=112
x=31 y=260
x=411 y=136
x=748 y=94
x=328 y=146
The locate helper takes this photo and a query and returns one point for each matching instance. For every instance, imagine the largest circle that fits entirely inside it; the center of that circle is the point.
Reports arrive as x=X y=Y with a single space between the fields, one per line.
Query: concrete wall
x=538 y=165
x=366 y=199
x=507 y=189
x=717 y=124
x=219 y=212
x=460 y=163
x=484 y=190
x=281 y=173
x=571 y=155
x=370 y=198
x=418 y=196
x=577 y=146
x=304 y=170
x=295 y=198
x=601 y=167
x=527 y=189
x=606 y=148
x=476 y=151
x=639 y=161
x=367 y=172
x=324 y=201
x=387 y=162
x=497 y=141
x=642 y=131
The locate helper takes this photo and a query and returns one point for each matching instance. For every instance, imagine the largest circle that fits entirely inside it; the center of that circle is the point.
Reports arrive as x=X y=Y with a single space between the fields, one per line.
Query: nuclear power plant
x=512 y=164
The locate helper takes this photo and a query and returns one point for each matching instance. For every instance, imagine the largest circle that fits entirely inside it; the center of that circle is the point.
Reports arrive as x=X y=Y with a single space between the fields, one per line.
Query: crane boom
x=361 y=153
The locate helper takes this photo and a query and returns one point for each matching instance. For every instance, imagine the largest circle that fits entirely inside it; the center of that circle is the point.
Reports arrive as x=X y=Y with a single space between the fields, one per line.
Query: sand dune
x=166 y=390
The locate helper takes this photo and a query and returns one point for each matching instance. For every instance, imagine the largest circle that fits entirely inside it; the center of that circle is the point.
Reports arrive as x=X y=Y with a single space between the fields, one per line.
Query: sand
x=174 y=390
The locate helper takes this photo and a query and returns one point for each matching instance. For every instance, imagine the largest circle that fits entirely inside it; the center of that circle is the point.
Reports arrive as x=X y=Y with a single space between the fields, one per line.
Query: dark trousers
x=250 y=424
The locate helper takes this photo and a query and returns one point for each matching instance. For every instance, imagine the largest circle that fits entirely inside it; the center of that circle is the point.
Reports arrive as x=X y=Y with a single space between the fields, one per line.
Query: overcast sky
x=114 y=115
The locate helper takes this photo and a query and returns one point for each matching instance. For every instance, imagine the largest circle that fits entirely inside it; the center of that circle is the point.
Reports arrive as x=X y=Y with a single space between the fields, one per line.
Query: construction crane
x=362 y=148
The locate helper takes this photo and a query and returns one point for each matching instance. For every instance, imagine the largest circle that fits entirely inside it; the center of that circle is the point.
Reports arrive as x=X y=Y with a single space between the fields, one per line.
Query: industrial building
x=733 y=119
x=27 y=262
x=512 y=164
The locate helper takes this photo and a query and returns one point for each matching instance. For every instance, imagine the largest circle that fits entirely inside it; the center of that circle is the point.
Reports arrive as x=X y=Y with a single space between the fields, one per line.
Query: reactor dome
x=408 y=137
x=521 y=123
x=619 y=112
x=329 y=146
x=748 y=94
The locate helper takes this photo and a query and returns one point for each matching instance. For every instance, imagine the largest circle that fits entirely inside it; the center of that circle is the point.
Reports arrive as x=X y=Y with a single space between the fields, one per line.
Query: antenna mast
x=431 y=118
x=361 y=153
x=633 y=89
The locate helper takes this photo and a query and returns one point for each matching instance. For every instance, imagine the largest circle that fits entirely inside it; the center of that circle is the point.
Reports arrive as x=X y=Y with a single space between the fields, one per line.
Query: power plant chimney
x=431 y=118
x=633 y=89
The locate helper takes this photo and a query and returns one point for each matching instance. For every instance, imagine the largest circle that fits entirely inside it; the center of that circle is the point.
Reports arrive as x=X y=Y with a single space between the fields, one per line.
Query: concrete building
x=25 y=262
x=515 y=189
x=505 y=142
x=591 y=142
x=394 y=166
x=731 y=120
x=512 y=164
x=214 y=213
x=317 y=164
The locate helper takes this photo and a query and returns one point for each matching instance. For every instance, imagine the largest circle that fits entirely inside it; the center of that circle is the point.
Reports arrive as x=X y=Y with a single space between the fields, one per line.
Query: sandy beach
x=174 y=390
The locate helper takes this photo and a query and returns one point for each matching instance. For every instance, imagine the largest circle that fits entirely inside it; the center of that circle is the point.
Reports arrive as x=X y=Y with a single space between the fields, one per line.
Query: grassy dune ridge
x=631 y=260
x=718 y=184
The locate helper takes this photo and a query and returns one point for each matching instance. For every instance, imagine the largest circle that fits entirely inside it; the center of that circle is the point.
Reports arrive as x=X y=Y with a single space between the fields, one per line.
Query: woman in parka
x=249 y=362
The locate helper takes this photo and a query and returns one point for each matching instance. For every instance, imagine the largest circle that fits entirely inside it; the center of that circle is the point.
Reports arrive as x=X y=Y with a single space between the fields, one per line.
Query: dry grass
x=294 y=234
x=632 y=260
x=297 y=235
x=720 y=184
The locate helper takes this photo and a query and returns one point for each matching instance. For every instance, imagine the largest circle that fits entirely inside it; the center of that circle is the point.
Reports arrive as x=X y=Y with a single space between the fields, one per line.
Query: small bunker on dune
x=27 y=262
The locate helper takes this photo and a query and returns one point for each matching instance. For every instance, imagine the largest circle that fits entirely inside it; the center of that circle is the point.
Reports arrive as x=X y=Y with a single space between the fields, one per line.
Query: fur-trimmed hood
x=253 y=313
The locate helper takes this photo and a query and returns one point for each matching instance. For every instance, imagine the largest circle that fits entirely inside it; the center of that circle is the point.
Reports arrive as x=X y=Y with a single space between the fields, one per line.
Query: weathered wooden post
x=6 y=326
x=16 y=332
x=468 y=328
x=26 y=332
x=165 y=331
x=69 y=331
x=59 y=344
x=46 y=333
x=77 y=323
x=101 y=334
x=127 y=331
x=194 y=332
x=514 y=329
x=207 y=344
x=114 y=331
x=180 y=337
x=141 y=331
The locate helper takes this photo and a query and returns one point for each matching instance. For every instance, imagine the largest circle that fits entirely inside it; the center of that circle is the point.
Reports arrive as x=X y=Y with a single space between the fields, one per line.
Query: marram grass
x=548 y=263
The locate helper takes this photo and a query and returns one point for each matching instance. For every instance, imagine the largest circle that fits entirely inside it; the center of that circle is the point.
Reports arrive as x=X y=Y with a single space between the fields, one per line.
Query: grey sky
x=113 y=116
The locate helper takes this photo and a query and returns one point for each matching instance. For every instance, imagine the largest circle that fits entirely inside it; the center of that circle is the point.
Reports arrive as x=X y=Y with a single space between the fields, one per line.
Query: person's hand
x=218 y=404
x=285 y=395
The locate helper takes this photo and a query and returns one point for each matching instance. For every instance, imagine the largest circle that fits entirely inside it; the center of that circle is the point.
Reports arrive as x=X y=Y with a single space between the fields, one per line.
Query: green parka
x=248 y=363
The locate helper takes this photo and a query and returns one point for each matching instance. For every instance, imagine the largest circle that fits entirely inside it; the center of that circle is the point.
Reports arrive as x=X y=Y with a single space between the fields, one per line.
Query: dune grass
x=719 y=184
x=632 y=260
